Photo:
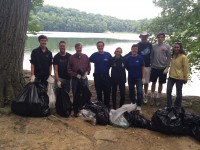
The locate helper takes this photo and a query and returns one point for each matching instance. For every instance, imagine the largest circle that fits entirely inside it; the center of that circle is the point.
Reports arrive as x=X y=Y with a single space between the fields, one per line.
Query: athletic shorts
x=158 y=73
x=147 y=71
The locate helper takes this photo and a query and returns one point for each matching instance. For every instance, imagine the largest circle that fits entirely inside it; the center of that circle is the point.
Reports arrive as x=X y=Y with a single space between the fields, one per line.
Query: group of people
x=145 y=63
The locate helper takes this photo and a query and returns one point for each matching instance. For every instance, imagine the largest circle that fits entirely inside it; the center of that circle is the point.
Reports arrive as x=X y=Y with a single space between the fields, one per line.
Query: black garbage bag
x=169 y=121
x=32 y=101
x=101 y=112
x=82 y=96
x=135 y=119
x=63 y=103
x=196 y=132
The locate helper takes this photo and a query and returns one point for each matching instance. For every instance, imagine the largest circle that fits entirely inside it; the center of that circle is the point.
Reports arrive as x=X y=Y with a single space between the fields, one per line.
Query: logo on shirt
x=146 y=51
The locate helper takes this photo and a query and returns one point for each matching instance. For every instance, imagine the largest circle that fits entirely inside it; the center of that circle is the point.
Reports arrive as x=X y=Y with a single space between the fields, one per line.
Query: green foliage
x=180 y=20
x=52 y=18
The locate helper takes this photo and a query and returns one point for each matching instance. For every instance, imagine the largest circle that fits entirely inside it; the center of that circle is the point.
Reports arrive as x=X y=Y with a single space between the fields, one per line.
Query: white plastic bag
x=117 y=118
x=88 y=115
x=50 y=92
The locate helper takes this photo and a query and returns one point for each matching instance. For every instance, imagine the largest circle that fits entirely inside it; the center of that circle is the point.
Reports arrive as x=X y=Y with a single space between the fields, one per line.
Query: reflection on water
x=89 y=40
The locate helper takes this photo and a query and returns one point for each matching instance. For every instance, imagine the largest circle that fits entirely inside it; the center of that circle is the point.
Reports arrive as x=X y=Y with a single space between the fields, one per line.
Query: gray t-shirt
x=160 y=56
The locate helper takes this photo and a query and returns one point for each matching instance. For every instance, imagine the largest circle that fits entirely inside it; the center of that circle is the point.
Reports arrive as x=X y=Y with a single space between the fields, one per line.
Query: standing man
x=78 y=68
x=41 y=62
x=160 y=61
x=118 y=76
x=135 y=67
x=60 y=63
x=101 y=73
x=144 y=49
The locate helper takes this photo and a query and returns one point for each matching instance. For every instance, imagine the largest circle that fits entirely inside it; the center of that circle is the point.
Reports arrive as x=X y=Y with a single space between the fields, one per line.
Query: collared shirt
x=42 y=62
x=179 y=68
x=78 y=62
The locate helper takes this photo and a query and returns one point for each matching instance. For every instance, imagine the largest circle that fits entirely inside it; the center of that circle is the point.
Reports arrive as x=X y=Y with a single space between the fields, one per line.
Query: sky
x=121 y=9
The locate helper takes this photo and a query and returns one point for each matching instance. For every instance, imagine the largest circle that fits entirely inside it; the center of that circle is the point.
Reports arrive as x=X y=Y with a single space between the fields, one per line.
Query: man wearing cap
x=144 y=49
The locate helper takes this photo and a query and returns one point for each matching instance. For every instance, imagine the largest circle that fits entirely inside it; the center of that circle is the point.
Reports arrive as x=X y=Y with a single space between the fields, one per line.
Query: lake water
x=112 y=41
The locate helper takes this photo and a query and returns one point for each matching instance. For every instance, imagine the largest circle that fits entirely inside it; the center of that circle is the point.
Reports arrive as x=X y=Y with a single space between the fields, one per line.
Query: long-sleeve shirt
x=160 y=56
x=78 y=62
x=179 y=68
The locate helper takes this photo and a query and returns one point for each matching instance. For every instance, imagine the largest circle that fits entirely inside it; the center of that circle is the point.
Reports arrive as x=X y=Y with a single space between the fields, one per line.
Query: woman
x=178 y=74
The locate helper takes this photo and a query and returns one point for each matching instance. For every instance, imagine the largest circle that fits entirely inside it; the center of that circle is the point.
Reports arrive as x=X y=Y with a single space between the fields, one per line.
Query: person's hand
x=78 y=76
x=59 y=84
x=166 y=70
x=143 y=80
x=85 y=76
x=32 y=78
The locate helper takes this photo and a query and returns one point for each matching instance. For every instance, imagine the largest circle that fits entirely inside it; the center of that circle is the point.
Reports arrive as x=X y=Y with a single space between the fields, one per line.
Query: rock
x=106 y=135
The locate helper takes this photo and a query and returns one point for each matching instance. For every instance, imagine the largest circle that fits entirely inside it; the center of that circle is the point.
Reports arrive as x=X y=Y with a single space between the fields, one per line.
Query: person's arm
x=185 y=69
x=32 y=69
x=56 y=72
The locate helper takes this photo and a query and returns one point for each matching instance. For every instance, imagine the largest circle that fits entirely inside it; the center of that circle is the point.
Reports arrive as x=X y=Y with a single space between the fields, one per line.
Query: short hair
x=100 y=42
x=42 y=37
x=134 y=45
x=78 y=44
x=118 y=48
x=62 y=42
x=159 y=34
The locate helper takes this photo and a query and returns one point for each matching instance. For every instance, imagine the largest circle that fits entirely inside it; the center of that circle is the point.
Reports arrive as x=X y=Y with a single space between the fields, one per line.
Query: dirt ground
x=58 y=133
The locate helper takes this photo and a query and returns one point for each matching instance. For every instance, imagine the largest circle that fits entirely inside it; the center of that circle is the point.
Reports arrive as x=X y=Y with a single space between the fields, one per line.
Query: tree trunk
x=13 y=27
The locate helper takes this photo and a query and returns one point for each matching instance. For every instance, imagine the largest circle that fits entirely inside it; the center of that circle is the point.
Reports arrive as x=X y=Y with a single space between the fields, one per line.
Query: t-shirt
x=41 y=61
x=101 y=62
x=144 y=49
x=134 y=66
x=62 y=62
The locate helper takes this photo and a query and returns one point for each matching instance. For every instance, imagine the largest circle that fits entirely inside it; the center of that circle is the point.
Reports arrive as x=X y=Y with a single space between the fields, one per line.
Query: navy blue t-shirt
x=101 y=62
x=144 y=49
x=134 y=66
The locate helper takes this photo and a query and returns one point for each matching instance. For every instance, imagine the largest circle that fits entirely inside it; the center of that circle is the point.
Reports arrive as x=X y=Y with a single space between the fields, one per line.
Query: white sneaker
x=138 y=108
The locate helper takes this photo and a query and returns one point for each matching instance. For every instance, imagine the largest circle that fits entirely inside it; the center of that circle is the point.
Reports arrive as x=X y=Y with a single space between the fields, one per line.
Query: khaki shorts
x=147 y=71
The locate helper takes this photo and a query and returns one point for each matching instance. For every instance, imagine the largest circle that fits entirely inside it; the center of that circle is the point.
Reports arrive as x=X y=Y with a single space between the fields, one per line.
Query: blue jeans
x=179 y=85
x=132 y=82
x=75 y=83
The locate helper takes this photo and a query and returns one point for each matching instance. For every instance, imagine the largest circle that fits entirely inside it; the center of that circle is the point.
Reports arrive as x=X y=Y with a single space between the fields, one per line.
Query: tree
x=14 y=16
x=180 y=20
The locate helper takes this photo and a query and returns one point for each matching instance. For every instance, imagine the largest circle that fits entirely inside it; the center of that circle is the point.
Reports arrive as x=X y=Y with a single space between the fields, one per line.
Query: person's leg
x=139 y=93
x=178 y=101
x=114 y=90
x=153 y=79
x=170 y=84
x=147 y=79
x=75 y=92
x=131 y=86
x=106 y=90
x=98 y=87
x=122 y=93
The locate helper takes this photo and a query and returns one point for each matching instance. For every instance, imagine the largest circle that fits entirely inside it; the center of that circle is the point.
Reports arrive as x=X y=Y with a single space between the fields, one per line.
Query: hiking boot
x=158 y=102
x=145 y=99
x=152 y=101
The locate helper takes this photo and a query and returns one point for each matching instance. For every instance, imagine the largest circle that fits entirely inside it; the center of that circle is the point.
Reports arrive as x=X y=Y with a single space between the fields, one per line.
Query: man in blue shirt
x=101 y=73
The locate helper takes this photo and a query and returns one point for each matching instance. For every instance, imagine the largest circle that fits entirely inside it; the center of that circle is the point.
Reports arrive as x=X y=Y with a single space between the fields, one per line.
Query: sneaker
x=139 y=109
x=152 y=101
x=158 y=101
x=145 y=99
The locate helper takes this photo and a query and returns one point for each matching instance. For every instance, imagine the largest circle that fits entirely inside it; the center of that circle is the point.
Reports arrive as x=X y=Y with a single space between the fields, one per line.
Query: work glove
x=85 y=75
x=50 y=79
x=78 y=76
x=143 y=81
x=59 y=84
x=32 y=78
x=166 y=70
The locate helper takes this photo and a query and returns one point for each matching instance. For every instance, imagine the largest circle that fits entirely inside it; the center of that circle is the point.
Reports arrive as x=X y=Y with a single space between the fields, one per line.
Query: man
x=60 y=63
x=160 y=61
x=101 y=73
x=144 y=49
x=135 y=67
x=118 y=76
x=41 y=62
x=78 y=68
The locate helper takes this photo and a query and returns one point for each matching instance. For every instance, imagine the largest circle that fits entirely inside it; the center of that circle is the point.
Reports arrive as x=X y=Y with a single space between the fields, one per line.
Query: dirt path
x=57 y=133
